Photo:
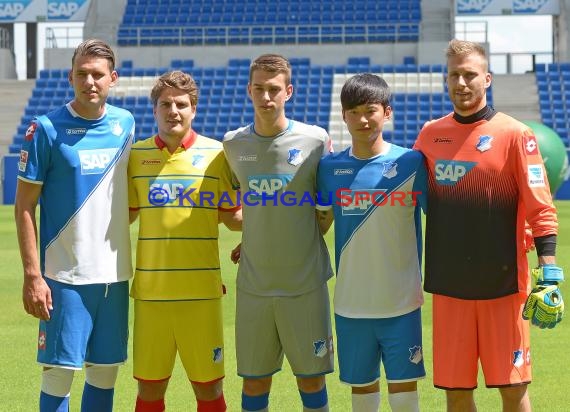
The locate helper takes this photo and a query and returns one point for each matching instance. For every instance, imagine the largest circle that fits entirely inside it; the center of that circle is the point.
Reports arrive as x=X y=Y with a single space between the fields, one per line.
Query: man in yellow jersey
x=180 y=185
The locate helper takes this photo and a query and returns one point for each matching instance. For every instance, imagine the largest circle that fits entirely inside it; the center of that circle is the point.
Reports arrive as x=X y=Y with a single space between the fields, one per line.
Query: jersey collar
x=186 y=143
x=486 y=113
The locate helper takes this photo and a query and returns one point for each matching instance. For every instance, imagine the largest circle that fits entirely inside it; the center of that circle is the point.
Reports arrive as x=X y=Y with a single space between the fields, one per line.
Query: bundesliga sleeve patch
x=536 y=176
x=531 y=145
x=30 y=132
x=23 y=161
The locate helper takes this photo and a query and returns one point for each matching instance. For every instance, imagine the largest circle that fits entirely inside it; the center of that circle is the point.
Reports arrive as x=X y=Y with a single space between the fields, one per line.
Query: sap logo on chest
x=165 y=191
x=62 y=8
x=11 y=10
x=268 y=184
x=95 y=161
x=449 y=172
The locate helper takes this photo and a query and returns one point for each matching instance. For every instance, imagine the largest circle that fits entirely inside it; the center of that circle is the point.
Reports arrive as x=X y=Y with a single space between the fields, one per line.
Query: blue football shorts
x=396 y=342
x=88 y=324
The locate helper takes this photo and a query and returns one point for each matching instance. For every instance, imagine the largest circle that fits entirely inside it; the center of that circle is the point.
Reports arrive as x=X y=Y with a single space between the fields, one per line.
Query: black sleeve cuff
x=545 y=245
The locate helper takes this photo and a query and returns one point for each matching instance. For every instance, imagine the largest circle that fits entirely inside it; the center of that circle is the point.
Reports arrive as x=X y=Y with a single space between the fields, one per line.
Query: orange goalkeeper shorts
x=492 y=331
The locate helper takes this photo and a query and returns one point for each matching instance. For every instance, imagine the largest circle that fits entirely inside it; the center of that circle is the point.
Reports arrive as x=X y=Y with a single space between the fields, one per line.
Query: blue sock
x=315 y=400
x=254 y=403
x=96 y=399
x=50 y=403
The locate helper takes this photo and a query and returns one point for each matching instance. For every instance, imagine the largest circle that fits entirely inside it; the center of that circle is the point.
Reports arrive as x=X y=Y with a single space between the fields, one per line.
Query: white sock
x=366 y=402
x=404 y=401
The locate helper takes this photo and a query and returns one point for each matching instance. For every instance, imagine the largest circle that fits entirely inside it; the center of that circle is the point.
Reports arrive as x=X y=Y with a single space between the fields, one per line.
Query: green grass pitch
x=20 y=377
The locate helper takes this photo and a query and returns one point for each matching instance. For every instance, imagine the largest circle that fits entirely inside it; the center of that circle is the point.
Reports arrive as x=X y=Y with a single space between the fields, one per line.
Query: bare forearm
x=27 y=241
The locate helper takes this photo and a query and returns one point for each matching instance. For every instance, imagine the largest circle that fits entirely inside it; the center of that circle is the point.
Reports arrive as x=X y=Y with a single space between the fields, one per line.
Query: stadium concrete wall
x=211 y=56
x=7 y=65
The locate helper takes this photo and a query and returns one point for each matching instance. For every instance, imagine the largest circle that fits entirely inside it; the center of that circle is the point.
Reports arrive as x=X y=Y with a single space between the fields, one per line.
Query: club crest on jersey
x=23 y=161
x=416 y=354
x=94 y=162
x=30 y=131
x=198 y=160
x=218 y=355
x=484 y=143
x=450 y=172
x=536 y=176
x=320 y=348
x=295 y=157
x=42 y=340
x=518 y=359
x=531 y=146
x=390 y=169
x=116 y=128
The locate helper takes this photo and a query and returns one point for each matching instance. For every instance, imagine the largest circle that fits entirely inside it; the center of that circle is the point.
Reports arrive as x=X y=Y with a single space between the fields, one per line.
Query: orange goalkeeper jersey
x=485 y=179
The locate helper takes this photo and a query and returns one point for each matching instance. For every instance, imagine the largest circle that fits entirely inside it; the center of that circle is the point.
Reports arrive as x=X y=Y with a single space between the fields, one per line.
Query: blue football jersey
x=82 y=167
x=378 y=236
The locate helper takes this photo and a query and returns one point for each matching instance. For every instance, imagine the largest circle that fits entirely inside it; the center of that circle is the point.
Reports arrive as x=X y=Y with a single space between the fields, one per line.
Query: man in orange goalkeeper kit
x=485 y=178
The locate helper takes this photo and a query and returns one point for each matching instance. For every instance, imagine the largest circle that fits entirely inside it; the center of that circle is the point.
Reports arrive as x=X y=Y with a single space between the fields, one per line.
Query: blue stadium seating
x=223 y=103
x=237 y=22
x=553 y=82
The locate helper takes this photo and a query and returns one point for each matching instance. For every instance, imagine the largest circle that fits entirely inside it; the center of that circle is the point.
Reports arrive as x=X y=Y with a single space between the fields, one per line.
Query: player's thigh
x=258 y=348
x=198 y=329
x=504 y=341
x=304 y=325
x=401 y=345
x=109 y=339
x=154 y=344
x=455 y=343
x=358 y=351
x=63 y=339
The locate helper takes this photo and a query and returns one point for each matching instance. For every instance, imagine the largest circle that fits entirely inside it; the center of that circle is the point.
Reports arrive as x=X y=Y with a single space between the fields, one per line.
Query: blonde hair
x=465 y=48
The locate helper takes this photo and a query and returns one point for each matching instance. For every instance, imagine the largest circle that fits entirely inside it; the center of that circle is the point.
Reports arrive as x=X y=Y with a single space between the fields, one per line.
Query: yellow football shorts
x=193 y=328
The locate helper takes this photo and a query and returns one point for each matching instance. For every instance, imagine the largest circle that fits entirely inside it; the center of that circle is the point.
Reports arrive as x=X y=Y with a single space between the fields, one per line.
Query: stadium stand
x=553 y=83
x=227 y=22
x=418 y=96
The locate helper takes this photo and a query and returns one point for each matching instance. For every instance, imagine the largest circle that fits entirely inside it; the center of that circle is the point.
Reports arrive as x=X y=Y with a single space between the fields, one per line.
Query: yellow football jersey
x=178 y=196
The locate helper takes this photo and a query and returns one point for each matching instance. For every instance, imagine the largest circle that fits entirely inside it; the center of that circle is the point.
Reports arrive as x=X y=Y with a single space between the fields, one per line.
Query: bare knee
x=515 y=398
x=363 y=390
x=208 y=391
x=311 y=384
x=152 y=391
x=402 y=387
x=460 y=401
x=257 y=386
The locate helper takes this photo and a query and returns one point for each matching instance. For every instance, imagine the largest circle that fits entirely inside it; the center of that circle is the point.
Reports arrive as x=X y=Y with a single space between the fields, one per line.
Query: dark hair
x=272 y=63
x=177 y=80
x=95 y=48
x=364 y=88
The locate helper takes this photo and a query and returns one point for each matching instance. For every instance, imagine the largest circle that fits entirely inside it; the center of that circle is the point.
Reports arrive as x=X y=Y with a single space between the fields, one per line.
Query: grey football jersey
x=282 y=251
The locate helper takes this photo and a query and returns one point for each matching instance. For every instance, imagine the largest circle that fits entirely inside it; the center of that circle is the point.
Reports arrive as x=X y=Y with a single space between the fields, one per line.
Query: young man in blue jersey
x=282 y=301
x=374 y=190
x=74 y=160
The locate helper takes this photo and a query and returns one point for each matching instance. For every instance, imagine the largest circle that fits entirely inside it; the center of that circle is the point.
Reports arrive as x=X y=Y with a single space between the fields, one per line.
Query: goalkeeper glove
x=545 y=306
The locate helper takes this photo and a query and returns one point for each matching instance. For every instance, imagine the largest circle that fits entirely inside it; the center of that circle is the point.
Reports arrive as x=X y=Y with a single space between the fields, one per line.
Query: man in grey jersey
x=282 y=305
